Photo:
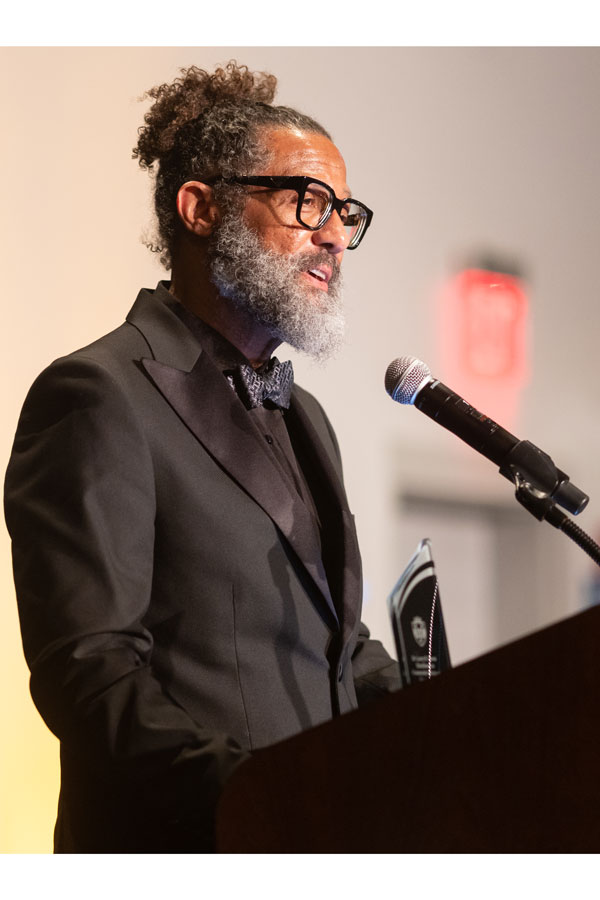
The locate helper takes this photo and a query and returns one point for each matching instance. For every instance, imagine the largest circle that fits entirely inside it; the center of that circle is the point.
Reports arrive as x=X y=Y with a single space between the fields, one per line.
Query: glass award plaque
x=417 y=621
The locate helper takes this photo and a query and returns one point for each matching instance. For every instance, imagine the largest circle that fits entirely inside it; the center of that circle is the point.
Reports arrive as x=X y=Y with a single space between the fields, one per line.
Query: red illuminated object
x=483 y=340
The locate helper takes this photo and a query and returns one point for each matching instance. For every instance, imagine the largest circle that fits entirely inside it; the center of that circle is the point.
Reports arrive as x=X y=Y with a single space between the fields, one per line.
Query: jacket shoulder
x=125 y=342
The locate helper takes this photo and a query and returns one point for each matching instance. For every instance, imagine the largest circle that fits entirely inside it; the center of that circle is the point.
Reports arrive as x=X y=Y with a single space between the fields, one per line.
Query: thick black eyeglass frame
x=299 y=183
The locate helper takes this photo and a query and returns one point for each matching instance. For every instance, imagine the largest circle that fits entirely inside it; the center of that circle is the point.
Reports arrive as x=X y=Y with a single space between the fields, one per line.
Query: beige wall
x=453 y=148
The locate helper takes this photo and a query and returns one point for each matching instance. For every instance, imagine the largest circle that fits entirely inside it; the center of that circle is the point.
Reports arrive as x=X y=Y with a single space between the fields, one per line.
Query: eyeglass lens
x=316 y=206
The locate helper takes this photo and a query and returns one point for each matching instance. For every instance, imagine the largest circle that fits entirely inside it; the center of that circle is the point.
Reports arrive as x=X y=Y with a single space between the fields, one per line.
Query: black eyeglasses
x=311 y=203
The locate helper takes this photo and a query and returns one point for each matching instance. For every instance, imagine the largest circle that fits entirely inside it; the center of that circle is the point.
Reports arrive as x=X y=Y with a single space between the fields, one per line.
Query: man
x=186 y=564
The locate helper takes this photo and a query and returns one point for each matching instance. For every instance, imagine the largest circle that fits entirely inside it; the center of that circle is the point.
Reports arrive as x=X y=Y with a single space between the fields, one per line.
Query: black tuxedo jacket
x=175 y=610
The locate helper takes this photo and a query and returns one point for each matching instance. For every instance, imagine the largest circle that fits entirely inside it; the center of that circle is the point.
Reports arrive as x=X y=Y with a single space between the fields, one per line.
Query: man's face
x=300 y=153
x=286 y=276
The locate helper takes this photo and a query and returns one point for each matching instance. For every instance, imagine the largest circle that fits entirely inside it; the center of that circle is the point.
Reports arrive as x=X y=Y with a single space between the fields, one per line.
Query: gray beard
x=266 y=284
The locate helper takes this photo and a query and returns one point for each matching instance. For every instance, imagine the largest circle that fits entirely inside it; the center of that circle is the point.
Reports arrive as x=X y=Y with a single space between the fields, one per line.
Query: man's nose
x=332 y=235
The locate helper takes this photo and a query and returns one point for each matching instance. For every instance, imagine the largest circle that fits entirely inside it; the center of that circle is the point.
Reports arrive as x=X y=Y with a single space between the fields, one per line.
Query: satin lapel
x=207 y=405
x=349 y=571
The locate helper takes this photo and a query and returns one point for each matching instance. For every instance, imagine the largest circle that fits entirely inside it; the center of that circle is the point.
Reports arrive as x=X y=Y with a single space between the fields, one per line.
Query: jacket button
x=340 y=672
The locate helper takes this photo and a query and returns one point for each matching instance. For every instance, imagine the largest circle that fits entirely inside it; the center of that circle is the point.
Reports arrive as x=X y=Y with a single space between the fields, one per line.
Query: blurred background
x=481 y=167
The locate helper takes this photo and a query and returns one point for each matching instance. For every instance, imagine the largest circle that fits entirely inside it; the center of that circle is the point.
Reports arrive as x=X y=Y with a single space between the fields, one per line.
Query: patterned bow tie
x=274 y=382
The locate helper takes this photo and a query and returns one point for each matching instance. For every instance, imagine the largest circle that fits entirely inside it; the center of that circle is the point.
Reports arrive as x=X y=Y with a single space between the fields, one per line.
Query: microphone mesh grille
x=404 y=377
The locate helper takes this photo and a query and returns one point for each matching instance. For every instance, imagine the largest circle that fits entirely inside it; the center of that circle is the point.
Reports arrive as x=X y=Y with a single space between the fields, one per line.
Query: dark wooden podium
x=499 y=755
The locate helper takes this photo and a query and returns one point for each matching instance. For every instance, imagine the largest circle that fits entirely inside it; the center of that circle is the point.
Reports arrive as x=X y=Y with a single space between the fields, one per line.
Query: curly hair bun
x=189 y=96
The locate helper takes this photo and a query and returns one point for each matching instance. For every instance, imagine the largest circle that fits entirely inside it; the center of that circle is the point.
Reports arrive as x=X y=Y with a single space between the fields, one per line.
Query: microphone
x=408 y=380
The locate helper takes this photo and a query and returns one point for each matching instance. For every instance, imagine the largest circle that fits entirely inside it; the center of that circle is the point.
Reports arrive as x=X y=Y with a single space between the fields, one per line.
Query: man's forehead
x=296 y=152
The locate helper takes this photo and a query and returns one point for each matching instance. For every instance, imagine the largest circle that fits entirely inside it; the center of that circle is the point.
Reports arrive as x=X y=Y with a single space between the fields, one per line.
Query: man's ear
x=196 y=208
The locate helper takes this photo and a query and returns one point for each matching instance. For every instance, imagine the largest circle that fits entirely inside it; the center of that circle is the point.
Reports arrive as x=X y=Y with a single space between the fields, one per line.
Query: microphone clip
x=531 y=470
x=543 y=507
x=538 y=503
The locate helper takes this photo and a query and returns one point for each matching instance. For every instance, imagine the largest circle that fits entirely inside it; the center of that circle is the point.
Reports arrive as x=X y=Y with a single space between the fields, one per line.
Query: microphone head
x=405 y=377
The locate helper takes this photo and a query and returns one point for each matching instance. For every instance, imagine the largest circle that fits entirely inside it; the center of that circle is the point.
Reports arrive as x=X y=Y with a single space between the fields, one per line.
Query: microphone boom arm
x=543 y=507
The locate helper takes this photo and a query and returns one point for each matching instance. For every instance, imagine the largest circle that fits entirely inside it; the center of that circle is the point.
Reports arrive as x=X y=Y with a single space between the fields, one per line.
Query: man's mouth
x=321 y=275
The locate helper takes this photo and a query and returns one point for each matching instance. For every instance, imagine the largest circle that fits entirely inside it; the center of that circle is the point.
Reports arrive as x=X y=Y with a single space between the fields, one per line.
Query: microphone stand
x=543 y=507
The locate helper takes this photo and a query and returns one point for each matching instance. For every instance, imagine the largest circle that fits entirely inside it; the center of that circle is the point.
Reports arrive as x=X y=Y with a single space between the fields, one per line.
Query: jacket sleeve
x=80 y=508
x=375 y=672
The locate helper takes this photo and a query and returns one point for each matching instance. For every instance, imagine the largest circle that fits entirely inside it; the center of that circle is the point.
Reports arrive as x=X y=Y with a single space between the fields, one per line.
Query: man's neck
x=200 y=297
